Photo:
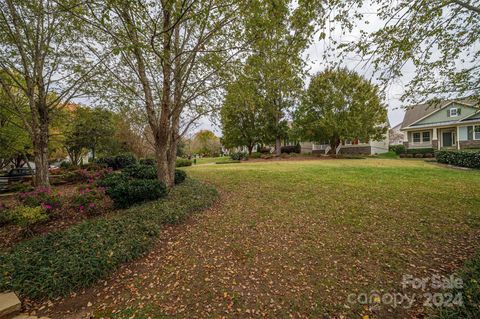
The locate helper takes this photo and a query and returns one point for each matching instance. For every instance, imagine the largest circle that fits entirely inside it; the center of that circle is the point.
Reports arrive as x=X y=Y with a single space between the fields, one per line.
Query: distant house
x=355 y=146
x=395 y=135
x=453 y=124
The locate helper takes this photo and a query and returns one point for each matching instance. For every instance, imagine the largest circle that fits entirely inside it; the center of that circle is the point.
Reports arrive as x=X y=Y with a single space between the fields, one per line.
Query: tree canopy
x=435 y=41
x=340 y=105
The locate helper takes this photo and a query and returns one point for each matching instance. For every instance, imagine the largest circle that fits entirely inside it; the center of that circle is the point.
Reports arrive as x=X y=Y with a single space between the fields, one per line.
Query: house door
x=447 y=139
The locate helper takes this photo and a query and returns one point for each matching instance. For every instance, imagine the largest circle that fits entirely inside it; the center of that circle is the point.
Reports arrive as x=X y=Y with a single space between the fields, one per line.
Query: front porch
x=436 y=138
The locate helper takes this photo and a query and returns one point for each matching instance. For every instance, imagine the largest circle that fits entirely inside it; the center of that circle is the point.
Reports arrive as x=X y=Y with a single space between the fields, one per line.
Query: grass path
x=295 y=239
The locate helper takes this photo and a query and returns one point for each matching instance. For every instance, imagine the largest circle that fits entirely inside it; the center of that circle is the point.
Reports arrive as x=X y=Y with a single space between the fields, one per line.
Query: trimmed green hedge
x=141 y=171
x=134 y=191
x=61 y=262
x=469 y=159
x=183 y=162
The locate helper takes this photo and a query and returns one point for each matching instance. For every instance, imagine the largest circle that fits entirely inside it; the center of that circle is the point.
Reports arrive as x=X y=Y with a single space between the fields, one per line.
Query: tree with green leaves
x=340 y=105
x=276 y=64
x=438 y=40
x=15 y=145
x=241 y=116
x=205 y=142
x=169 y=62
x=44 y=64
x=90 y=129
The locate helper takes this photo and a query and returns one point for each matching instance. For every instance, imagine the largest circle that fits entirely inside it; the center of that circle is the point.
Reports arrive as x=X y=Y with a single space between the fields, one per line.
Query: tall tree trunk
x=250 y=149
x=177 y=107
x=162 y=140
x=40 y=152
x=278 y=146
x=40 y=121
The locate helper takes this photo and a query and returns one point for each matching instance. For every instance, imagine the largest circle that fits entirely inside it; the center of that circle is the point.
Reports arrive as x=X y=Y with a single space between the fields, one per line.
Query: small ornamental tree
x=340 y=105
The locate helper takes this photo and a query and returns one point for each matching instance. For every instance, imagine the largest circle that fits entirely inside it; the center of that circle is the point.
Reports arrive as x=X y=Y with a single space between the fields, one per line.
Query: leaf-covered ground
x=295 y=239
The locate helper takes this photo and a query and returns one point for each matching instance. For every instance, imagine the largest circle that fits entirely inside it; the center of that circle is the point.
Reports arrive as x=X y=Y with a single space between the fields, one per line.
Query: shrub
x=148 y=161
x=238 y=156
x=180 y=176
x=459 y=158
x=399 y=149
x=428 y=155
x=90 y=201
x=403 y=155
x=183 y=162
x=61 y=262
x=93 y=166
x=141 y=171
x=255 y=155
x=113 y=179
x=43 y=197
x=135 y=191
x=418 y=155
x=86 y=176
x=26 y=217
x=265 y=150
x=117 y=162
x=65 y=165
x=291 y=149
x=409 y=156
x=4 y=214
x=415 y=151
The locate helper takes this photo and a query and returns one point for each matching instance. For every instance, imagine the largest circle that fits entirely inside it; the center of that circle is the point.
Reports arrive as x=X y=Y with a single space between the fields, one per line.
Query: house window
x=416 y=138
x=469 y=133
x=454 y=111
x=477 y=132
x=426 y=137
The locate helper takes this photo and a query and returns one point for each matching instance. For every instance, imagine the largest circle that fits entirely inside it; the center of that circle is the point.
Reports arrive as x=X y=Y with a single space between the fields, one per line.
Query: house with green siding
x=453 y=124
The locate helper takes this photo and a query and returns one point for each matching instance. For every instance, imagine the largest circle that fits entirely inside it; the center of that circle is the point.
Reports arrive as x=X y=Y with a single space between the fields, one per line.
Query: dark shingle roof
x=415 y=112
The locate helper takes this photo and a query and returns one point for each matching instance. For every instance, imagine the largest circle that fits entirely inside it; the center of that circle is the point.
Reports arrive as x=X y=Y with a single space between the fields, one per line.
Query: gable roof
x=417 y=112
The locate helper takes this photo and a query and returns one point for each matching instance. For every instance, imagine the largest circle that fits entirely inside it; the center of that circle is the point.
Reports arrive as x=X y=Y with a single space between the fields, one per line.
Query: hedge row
x=61 y=262
x=469 y=159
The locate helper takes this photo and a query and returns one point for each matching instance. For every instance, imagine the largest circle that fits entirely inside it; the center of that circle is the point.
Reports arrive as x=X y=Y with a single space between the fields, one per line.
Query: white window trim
x=429 y=136
x=421 y=137
x=450 y=111
x=475 y=139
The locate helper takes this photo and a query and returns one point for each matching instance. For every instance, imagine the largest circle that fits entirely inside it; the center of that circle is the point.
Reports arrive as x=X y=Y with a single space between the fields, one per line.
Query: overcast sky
x=314 y=58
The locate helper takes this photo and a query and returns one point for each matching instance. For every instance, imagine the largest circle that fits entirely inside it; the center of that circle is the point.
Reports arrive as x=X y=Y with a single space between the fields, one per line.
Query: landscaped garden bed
x=63 y=261
x=58 y=239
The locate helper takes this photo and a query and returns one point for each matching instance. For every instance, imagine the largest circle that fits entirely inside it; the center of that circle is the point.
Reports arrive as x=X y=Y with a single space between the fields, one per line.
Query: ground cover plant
x=61 y=262
x=296 y=238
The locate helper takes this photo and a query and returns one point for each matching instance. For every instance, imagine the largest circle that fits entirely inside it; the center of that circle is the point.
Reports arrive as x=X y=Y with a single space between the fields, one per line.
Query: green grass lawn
x=326 y=229
x=294 y=239
x=212 y=160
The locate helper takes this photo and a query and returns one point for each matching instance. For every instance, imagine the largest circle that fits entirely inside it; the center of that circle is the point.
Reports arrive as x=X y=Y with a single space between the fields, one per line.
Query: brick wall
x=469 y=144
x=356 y=150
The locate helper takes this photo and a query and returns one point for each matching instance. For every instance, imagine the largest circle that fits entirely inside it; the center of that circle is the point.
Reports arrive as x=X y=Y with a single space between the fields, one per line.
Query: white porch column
x=405 y=136
x=435 y=137
x=458 y=137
